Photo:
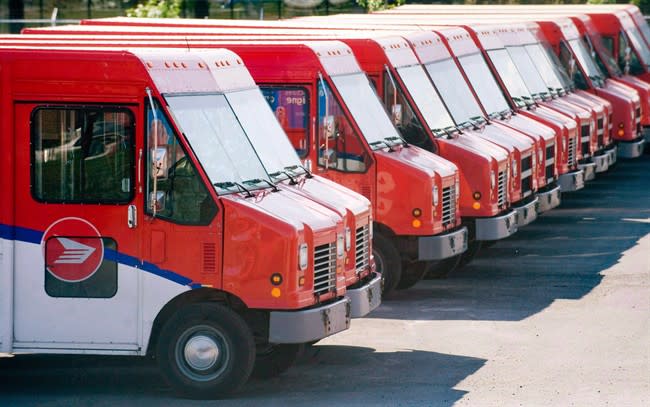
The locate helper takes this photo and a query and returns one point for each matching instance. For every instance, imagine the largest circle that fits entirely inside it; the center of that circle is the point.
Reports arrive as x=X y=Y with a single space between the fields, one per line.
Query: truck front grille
x=571 y=153
x=325 y=268
x=501 y=188
x=526 y=163
x=601 y=131
x=550 y=162
x=362 y=245
x=526 y=175
x=584 y=139
x=448 y=205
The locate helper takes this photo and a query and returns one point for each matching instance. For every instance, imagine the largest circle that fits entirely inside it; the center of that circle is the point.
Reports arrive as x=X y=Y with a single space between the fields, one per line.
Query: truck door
x=77 y=214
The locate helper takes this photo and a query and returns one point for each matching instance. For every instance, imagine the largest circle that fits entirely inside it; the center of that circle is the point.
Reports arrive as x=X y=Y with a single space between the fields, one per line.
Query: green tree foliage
x=156 y=9
x=374 y=5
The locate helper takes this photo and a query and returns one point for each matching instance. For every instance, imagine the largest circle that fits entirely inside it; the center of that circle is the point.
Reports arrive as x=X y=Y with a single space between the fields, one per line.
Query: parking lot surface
x=558 y=314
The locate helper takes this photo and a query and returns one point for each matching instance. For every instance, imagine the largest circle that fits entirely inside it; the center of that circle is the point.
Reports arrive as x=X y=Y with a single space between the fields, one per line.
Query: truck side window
x=339 y=146
x=291 y=107
x=178 y=193
x=571 y=66
x=636 y=68
x=410 y=127
x=82 y=154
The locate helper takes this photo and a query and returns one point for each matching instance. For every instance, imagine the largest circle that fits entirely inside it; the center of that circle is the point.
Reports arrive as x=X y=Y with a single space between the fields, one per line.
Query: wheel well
x=383 y=229
x=191 y=297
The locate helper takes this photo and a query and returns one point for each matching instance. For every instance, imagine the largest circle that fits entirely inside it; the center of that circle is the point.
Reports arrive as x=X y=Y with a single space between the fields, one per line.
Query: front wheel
x=206 y=351
x=412 y=273
x=273 y=360
x=387 y=261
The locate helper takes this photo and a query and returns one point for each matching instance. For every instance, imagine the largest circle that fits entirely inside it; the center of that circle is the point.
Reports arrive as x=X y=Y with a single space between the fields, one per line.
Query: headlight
x=339 y=245
x=493 y=180
x=457 y=188
x=563 y=143
x=540 y=156
x=370 y=228
x=435 y=195
x=514 y=168
x=348 y=239
x=303 y=256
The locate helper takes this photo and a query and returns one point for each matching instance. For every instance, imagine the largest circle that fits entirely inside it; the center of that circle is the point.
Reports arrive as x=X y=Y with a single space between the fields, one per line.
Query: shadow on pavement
x=348 y=375
x=559 y=256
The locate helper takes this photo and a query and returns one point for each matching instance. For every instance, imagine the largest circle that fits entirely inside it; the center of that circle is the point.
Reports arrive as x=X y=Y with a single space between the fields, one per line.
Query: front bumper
x=549 y=199
x=589 y=170
x=365 y=298
x=442 y=246
x=630 y=149
x=572 y=181
x=311 y=324
x=602 y=162
x=526 y=212
x=496 y=227
x=612 y=152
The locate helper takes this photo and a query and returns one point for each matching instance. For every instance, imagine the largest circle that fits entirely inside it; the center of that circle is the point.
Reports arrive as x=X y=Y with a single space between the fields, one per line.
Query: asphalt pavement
x=558 y=314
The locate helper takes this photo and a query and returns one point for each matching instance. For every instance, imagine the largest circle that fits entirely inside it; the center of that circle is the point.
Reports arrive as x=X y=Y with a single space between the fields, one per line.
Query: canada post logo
x=73 y=249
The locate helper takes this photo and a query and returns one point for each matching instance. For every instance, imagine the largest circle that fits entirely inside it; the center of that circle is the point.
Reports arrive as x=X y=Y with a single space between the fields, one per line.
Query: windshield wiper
x=292 y=168
x=396 y=138
x=377 y=143
x=254 y=181
x=230 y=184
x=292 y=179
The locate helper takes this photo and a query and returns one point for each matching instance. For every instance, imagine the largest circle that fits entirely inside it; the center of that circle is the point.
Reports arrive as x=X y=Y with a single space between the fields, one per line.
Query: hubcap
x=201 y=352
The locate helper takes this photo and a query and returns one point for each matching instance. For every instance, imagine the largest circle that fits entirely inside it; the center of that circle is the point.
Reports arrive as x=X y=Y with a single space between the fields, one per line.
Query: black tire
x=473 y=248
x=412 y=273
x=442 y=268
x=388 y=262
x=214 y=332
x=273 y=360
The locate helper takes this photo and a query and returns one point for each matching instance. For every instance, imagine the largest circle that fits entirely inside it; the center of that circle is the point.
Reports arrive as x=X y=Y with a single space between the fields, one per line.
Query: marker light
x=416 y=223
x=276 y=279
x=303 y=256
x=435 y=195
x=348 y=239
x=417 y=212
x=476 y=205
x=339 y=245
x=301 y=281
x=476 y=195
x=275 y=292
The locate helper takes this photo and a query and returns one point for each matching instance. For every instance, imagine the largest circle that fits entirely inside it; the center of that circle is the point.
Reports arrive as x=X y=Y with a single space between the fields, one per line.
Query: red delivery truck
x=129 y=229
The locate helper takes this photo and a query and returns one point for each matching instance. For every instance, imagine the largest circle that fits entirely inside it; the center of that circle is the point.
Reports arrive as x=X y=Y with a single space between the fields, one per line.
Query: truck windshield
x=528 y=69
x=454 y=90
x=367 y=110
x=486 y=87
x=639 y=44
x=585 y=59
x=510 y=76
x=604 y=58
x=548 y=71
x=218 y=140
x=264 y=132
x=557 y=65
x=425 y=97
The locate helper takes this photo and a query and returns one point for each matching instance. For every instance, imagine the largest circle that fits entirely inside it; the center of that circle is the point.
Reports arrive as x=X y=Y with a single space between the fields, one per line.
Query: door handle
x=132 y=217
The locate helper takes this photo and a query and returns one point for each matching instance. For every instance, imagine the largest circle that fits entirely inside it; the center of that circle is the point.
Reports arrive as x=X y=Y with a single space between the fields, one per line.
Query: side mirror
x=396 y=114
x=159 y=162
x=157 y=201
x=329 y=127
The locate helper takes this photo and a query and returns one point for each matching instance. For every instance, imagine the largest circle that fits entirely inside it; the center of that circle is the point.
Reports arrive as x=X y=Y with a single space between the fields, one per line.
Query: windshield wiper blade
x=230 y=184
x=292 y=179
x=396 y=138
x=254 y=181
x=292 y=168
x=376 y=143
